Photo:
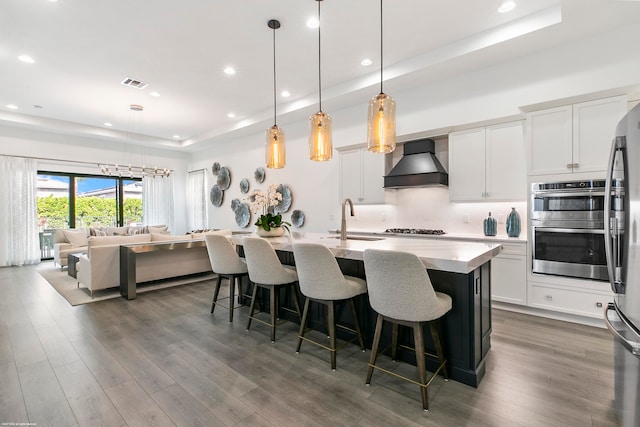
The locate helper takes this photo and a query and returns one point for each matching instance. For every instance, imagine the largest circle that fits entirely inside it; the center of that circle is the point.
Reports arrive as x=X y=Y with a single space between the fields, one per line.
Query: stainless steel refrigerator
x=622 y=217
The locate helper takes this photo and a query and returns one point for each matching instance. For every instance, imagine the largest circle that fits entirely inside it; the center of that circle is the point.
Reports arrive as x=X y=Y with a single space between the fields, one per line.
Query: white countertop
x=500 y=238
x=440 y=254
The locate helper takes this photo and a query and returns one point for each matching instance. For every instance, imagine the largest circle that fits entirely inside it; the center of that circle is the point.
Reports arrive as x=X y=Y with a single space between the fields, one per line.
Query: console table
x=129 y=254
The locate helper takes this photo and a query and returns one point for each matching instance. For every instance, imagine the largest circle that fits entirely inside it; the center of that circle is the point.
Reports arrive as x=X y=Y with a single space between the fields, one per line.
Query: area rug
x=67 y=286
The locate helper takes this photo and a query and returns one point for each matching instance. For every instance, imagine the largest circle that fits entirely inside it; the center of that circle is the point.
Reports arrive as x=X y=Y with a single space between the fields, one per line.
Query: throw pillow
x=158 y=229
x=76 y=238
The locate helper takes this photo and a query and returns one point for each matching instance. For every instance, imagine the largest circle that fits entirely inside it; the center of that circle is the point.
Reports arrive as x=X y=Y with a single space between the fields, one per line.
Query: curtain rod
x=197 y=170
x=76 y=162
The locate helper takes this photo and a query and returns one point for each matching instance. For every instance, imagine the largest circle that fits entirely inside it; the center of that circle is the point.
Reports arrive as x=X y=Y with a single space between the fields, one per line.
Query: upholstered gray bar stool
x=266 y=271
x=401 y=292
x=321 y=281
x=226 y=263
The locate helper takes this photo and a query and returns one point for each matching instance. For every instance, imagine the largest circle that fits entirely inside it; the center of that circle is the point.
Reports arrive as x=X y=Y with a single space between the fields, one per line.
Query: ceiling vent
x=134 y=83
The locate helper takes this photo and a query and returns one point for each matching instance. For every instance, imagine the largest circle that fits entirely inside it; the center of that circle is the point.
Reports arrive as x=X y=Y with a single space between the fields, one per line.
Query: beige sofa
x=100 y=267
x=74 y=240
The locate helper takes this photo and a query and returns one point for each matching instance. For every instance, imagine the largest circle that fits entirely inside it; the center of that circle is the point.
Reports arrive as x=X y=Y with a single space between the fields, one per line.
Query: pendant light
x=320 y=144
x=381 y=123
x=275 y=152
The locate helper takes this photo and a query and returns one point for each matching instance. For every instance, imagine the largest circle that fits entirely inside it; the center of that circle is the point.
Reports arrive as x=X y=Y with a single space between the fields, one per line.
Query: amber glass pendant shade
x=320 y=144
x=275 y=150
x=381 y=124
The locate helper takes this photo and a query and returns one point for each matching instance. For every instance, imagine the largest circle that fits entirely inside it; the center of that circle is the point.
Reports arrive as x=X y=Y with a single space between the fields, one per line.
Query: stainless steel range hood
x=418 y=167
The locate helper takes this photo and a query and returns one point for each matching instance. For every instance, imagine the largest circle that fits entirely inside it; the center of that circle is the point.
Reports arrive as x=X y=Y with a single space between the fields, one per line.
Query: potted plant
x=263 y=203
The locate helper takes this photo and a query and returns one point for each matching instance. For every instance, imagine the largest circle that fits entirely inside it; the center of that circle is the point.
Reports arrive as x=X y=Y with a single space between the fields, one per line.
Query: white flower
x=261 y=201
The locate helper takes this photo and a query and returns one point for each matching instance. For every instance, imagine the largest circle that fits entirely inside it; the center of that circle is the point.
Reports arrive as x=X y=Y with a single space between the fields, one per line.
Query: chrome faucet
x=343 y=229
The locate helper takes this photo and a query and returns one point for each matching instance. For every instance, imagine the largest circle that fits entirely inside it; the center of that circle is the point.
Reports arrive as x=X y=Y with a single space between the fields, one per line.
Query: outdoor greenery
x=53 y=212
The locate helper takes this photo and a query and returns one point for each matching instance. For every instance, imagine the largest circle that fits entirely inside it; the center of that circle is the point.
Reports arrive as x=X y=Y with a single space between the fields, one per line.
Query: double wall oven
x=567 y=228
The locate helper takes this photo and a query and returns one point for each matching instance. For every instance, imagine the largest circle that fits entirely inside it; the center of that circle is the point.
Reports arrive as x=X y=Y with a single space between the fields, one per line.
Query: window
x=83 y=201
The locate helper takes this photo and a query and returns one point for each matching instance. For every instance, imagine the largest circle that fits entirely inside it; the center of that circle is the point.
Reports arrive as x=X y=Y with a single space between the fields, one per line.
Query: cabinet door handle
x=548 y=297
x=569 y=165
x=599 y=304
x=576 y=165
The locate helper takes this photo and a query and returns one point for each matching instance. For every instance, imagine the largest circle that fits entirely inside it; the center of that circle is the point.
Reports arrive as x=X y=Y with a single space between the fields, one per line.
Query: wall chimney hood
x=418 y=167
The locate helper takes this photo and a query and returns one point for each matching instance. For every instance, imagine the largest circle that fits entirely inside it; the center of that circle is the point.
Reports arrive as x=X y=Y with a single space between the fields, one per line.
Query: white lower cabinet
x=509 y=274
x=578 y=301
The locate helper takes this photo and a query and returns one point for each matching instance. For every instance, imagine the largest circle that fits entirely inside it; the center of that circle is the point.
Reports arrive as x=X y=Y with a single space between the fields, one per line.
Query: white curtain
x=19 y=239
x=157 y=201
x=197 y=200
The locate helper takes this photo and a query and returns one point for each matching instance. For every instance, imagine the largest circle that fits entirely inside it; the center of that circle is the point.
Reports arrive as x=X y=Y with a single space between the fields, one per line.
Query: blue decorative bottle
x=490 y=226
x=513 y=223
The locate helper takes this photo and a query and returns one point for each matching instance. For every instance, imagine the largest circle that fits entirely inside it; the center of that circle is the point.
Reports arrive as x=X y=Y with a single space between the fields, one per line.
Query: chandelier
x=132 y=171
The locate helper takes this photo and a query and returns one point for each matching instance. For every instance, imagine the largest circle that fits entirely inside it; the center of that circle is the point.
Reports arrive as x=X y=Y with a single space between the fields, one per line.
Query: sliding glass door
x=84 y=201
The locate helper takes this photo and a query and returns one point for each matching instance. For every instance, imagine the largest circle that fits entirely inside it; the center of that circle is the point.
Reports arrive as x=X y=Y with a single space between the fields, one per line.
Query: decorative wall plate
x=285 y=203
x=224 y=178
x=259 y=175
x=215 y=195
x=244 y=185
x=297 y=218
x=215 y=168
x=235 y=203
x=243 y=215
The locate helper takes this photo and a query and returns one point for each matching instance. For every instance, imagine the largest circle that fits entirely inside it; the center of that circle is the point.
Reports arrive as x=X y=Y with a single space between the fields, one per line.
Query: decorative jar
x=513 y=223
x=490 y=226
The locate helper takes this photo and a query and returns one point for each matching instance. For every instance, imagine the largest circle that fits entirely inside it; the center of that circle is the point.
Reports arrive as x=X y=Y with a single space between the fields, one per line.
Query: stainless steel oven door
x=584 y=206
x=571 y=252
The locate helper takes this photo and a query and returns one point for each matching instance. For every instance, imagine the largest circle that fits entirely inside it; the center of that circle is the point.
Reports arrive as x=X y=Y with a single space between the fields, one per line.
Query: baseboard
x=565 y=317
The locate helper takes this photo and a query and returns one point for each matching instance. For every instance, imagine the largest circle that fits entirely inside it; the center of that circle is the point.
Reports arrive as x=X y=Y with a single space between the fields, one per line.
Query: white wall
x=605 y=63
x=61 y=149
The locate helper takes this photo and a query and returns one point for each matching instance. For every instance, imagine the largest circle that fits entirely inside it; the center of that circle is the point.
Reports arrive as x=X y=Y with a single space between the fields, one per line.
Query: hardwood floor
x=162 y=359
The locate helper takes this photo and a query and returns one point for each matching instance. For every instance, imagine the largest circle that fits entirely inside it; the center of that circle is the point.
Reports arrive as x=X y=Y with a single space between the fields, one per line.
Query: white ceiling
x=84 y=48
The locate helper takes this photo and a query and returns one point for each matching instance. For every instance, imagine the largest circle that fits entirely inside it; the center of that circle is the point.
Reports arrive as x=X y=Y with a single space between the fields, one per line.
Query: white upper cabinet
x=573 y=138
x=362 y=176
x=487 y=164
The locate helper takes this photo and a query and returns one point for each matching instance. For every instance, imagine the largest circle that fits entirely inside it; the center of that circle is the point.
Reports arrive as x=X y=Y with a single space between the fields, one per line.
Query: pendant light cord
x=319 y=62
x=381 y=49
x=275 y=114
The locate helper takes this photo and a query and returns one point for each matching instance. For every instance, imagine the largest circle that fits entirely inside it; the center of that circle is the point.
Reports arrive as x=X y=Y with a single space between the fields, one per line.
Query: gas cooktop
x=413 y=231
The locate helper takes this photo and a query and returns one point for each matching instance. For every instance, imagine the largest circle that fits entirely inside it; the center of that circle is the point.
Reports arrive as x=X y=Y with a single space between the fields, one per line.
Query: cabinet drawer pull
x=599 y=304
x=548 y=297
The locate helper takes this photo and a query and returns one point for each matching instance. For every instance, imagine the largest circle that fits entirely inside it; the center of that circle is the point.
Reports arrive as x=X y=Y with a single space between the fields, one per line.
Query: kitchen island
x=459 y=269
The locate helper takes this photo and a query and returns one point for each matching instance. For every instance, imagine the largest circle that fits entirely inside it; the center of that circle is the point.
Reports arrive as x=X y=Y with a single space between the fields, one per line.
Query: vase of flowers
x=264 y=203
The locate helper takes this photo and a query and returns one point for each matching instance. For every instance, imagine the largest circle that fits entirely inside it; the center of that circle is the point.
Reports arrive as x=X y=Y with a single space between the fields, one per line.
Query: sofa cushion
x=161 y=237
x=76 y=238
x=116 y=240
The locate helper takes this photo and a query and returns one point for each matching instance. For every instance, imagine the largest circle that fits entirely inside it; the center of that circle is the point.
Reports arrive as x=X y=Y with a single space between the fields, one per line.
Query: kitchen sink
x=367 y=239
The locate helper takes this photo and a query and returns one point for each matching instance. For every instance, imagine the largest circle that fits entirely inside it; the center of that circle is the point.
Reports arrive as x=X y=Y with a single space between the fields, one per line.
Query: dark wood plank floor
x=162 y=359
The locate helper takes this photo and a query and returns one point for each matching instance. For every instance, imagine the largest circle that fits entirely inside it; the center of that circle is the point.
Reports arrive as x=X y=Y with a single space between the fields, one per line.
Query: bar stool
x=321 y=281
x=401 y=292
x=226 y=263
x=266 y=271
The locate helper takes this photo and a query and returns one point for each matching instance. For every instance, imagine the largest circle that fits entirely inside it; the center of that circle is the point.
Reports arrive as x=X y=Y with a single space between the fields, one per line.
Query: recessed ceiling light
x=176 y=136
x=53 y=1
x=313 y=23
x=366 y=62
x=507 y=6
x=156 y=94
x=27 y=59
x=285 y=94
x=229 y=71
x=12 y=106
x=231 y=115
x=107 y=124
